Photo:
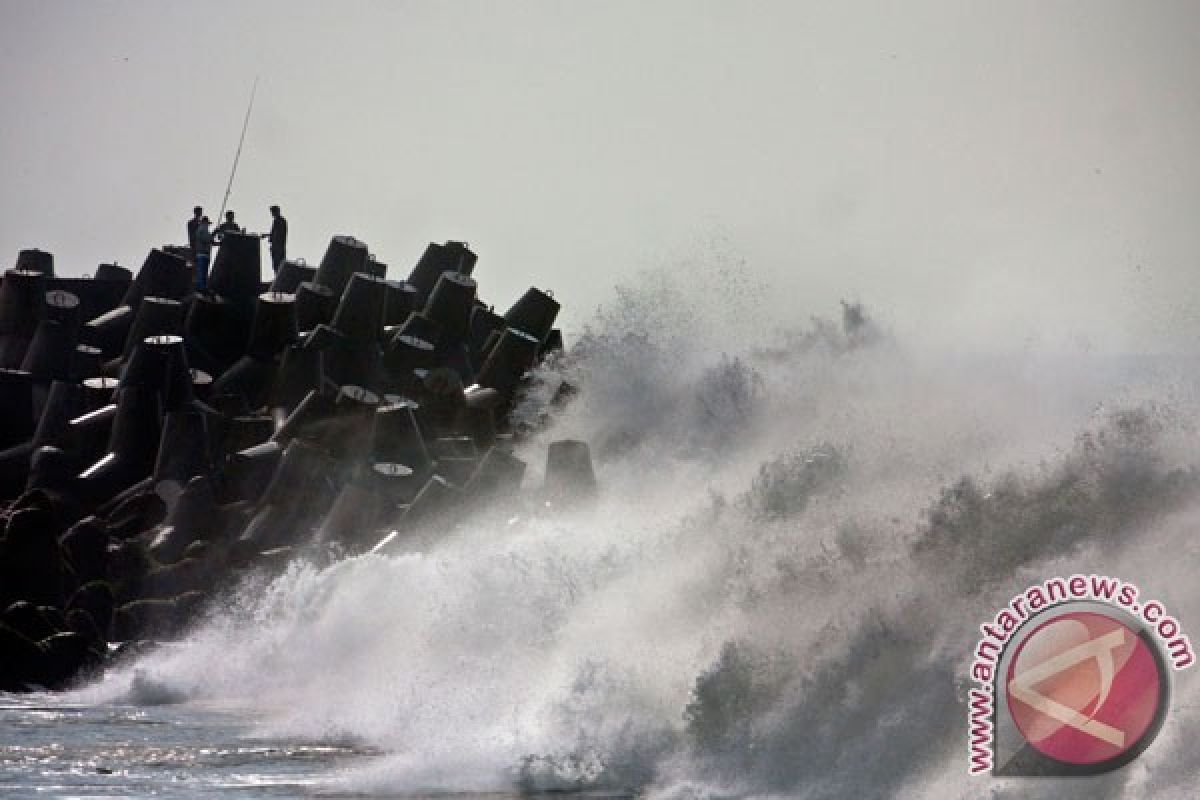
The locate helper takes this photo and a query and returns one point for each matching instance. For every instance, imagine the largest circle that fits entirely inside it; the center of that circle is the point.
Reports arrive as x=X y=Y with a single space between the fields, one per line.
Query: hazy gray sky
x=1001 y=172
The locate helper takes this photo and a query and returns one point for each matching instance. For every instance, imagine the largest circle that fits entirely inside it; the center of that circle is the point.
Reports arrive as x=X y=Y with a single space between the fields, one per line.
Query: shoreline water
x=60 y=748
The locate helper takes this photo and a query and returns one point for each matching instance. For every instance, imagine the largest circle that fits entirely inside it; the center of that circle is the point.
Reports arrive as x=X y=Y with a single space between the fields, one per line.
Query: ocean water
x=58 y=748
x=776 y=593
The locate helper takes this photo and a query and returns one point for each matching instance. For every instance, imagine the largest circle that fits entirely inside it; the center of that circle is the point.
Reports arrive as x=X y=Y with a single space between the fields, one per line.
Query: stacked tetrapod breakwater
x=156 y=442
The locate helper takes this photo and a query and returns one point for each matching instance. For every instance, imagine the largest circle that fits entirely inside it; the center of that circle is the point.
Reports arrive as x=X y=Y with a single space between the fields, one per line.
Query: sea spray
x=775 y=592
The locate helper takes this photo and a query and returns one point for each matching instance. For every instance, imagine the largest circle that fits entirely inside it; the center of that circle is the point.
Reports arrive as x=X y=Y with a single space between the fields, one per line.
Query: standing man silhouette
x=204 y=244
x=278 y=237
x=197 y=214
x=228 y=226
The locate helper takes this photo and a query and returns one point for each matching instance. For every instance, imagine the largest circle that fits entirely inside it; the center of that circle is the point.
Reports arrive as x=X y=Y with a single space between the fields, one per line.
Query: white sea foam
x=776 y=592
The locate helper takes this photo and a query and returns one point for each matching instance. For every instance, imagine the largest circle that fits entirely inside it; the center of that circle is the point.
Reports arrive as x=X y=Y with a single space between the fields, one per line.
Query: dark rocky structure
x=156 y=443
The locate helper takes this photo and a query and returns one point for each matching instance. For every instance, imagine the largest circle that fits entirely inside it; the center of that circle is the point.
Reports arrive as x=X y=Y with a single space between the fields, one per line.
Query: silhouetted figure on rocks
x=203 y=249
x=197 y=214
x=228 y=226
x=278 y=237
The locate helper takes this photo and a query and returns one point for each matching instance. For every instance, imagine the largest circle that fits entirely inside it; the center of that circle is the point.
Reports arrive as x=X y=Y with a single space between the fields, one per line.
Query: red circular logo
x=1084 y=688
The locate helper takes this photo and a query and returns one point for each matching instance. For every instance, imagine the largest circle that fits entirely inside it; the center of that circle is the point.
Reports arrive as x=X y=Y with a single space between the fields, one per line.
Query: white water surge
x=776 y=593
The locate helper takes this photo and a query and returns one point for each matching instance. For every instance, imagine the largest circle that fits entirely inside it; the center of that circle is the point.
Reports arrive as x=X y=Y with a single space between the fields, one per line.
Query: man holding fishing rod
x=228 y=226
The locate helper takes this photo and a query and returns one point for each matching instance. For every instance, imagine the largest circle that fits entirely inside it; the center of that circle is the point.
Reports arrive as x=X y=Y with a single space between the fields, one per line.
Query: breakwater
x=158 y=441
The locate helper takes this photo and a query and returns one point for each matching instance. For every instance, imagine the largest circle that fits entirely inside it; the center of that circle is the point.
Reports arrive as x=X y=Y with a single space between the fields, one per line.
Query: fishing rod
x=238 y=154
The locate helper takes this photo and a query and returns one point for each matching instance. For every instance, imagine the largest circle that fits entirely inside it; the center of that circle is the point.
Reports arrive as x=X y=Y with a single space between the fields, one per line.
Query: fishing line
x=238 y=154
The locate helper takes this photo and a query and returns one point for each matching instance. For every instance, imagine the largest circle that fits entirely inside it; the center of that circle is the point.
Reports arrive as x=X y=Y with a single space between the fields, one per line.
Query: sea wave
x=775 y=593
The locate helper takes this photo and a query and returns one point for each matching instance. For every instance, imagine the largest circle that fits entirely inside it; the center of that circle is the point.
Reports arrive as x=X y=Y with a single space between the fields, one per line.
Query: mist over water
x=799 y=529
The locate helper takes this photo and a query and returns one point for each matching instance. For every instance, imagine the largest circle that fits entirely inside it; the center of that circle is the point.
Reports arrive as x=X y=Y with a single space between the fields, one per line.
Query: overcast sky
x=995 y=173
